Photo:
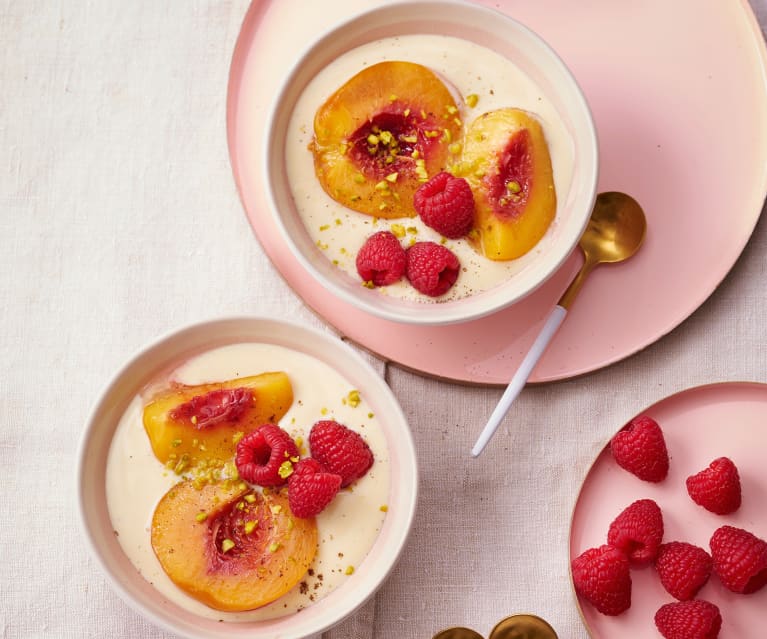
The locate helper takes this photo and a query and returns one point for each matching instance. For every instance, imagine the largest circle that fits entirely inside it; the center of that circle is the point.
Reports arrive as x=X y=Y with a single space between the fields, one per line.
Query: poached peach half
x=507 y=164
x=187 y=424
x=229 y=547
x=384 y=132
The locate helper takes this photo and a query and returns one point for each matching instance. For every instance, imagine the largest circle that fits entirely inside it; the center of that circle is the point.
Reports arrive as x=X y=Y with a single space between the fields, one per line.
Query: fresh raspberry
x=266 y=456
x=381 y=260
x=446 y=204
x=683 y=568
x=740 y=559
x=340 y=450
x=689 y=620
x=311 y=488
x=431 y=268
x=602 y=577
x=716 y=488
x=639 y=447
x=638 y=532
x=214 y=407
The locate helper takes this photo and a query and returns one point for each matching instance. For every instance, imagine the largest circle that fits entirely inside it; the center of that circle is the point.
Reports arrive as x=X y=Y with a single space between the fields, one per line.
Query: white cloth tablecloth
x=120 y=221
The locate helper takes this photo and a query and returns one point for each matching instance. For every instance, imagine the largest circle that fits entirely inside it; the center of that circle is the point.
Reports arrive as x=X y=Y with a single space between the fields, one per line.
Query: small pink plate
x=699 y=425
x=679 y=100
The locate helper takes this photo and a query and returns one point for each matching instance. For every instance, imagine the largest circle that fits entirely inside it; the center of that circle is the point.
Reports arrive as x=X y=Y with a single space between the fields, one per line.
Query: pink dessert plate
x=699 y=425
x=679 y=98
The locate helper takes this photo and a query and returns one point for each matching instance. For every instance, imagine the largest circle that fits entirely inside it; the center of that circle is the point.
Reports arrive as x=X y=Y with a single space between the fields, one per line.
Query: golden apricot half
x=378 y=137
x=231 y=548
x=507 y=164
x=187 y=424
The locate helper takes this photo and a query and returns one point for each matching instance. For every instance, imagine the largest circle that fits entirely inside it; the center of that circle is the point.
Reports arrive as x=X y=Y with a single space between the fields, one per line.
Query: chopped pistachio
x=373 y=139
x=227 y=545
x=406 y=112
x=398 y=230
x=250 y=498
x=237 y=437
x=250 y=526
x=274 y=546
x=324 y=227
x=513 y=186
x=349 y=570
x=368 y=284
x=359 y=178
x=371 y=415
x=455 y=148
x=392 y=177
x=275 y=508
x=286 y=469
x=182 y=465
x=176 y=443
x=392 y=97
x=384 y=508
x=201 y=517
x=353 y=398
x=471 y=100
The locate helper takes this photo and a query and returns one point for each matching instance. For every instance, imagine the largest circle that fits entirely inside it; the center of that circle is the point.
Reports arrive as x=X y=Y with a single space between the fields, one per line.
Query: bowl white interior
x=490 y=29
x=177 y=347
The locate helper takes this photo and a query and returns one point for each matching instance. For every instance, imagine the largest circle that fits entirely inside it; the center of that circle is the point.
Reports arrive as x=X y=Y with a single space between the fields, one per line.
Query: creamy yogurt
x=470 y=69
x=347 y=528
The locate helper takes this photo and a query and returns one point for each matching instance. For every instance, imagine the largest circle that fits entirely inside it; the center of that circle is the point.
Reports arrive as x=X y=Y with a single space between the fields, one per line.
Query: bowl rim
x=374 y=577
x=425 y=312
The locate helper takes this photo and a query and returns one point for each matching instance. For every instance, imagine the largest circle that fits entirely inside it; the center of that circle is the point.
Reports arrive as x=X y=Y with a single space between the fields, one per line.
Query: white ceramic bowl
x=176 y=348
x=533 y=57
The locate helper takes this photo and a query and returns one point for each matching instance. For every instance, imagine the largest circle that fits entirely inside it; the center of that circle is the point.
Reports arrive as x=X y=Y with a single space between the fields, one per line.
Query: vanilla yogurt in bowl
x=478 y=51
x=361 y=533
x=470 y=69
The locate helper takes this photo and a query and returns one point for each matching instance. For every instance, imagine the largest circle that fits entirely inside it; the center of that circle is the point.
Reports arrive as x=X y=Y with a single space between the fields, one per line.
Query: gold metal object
x=522 y=627
x=458 y=633
x=614 y=233
x=513 y=627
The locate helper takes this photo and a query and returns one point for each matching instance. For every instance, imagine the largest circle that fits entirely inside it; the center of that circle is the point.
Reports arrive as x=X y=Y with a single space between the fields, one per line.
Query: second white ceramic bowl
x=166 y=354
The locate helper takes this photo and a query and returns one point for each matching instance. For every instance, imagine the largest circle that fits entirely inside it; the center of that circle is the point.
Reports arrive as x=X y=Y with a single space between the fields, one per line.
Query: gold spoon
x=614 y=233
x=513 y=627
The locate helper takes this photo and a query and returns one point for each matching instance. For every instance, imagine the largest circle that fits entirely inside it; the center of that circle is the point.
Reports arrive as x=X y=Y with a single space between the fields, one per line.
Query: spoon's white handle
x=520 y=377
